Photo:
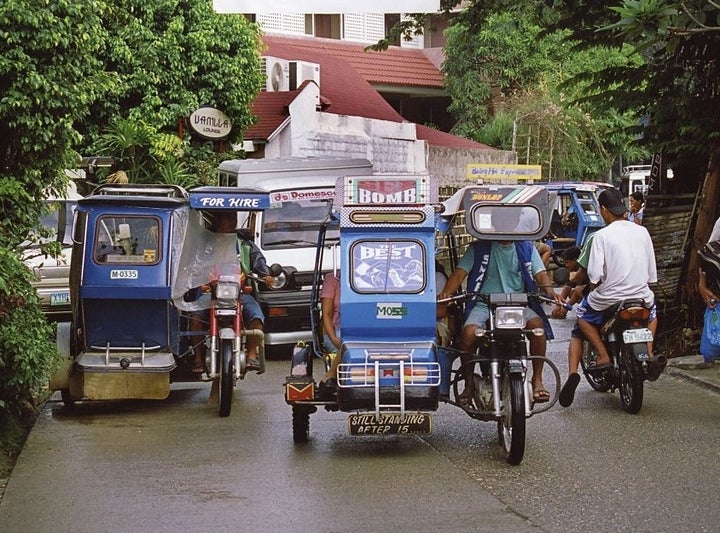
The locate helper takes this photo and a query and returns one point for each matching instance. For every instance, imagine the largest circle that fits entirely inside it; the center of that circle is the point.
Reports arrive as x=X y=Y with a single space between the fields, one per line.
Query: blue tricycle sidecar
x=388 y=374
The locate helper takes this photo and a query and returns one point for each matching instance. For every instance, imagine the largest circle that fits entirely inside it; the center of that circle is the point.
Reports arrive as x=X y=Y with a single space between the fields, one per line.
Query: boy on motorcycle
x=621 y=265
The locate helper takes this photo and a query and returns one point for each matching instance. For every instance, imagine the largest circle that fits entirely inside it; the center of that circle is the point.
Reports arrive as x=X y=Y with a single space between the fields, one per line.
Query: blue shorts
x=592 y=316
x=480 y=315
x=251 y=309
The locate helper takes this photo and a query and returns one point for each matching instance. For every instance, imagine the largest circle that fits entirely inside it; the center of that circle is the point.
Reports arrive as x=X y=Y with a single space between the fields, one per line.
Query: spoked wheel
x=226 y=376
x=512 y=423
x=631 y=383
x=596 y=381
x=301 y=424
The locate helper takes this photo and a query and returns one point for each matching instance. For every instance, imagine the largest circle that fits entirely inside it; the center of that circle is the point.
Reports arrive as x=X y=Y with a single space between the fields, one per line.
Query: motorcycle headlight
x=227 y=290
x=279 y=282
x=510 y=317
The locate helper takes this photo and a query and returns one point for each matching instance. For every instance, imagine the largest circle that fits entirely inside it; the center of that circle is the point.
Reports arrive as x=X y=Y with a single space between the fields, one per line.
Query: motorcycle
x=226 y=354
x=503 y=391
x=625 y=334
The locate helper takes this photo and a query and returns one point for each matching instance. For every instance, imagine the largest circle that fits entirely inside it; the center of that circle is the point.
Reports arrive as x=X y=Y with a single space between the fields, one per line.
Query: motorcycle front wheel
x=631 y=382
x=512 y=423
x=226 y=376
x=596 y=381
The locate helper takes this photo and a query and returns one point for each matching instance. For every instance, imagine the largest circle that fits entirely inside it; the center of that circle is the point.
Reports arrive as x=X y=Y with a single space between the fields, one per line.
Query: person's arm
x=453 y=283
x=258 y=263
x=705 y=293
x=328 y=311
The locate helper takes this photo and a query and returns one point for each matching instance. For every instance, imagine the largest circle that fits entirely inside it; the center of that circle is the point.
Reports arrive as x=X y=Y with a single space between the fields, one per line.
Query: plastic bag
x=711 y=329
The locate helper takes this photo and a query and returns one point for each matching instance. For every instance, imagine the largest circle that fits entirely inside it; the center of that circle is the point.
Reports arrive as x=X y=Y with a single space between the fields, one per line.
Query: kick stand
x=214 y=397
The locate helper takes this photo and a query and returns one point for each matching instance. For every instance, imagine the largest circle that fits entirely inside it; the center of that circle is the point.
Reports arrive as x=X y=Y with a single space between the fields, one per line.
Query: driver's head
x=223 y=221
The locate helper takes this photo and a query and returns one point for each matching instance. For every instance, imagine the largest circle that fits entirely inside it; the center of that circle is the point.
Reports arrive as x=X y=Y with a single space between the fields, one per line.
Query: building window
x=321 y=25
x=390 y=20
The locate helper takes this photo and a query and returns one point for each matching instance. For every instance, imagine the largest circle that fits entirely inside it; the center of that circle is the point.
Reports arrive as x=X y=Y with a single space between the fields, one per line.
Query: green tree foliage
x=74 y=71
x=172 y=57
x=506 y=78
x=49 y=73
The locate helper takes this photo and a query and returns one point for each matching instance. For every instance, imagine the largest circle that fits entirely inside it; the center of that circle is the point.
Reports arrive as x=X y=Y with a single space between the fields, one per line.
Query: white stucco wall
x=392 y=147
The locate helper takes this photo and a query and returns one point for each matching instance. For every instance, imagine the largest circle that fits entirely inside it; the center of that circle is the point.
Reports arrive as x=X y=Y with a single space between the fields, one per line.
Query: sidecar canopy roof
x=502 y=212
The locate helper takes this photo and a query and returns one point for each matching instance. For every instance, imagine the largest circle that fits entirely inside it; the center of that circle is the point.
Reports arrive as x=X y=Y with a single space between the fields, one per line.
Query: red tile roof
x=394 y=66
x=344 y=88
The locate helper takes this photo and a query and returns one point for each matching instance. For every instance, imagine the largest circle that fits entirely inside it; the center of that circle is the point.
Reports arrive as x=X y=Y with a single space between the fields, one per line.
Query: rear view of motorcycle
x=626 y=336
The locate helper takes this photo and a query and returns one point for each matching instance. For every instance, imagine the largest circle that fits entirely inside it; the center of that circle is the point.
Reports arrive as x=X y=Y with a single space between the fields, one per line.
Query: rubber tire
x=300 y=424
x=68 y=401
x=631 y=382
x=588 y=355
x=512 y=392
x=226 y=377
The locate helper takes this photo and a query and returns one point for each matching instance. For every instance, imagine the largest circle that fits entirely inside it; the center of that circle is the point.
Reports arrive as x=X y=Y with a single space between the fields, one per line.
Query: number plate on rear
x=389 y=424
x=637 y=335
x=59 y=298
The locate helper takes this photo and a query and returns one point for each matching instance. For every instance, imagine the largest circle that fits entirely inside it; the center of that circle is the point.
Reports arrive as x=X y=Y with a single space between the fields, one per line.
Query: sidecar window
x=388 y=267
x=127 y=240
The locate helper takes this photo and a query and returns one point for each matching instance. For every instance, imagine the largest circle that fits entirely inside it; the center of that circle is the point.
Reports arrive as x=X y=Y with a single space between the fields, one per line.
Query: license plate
x=389 y=424
x=59 y=298
x=637 y=335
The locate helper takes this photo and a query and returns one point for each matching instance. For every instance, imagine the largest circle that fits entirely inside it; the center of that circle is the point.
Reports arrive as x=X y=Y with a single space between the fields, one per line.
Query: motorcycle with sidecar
x=138 y=251
x=393 y=370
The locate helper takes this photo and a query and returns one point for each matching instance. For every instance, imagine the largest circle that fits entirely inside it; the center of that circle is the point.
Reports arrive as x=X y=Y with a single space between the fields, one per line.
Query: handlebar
x=485 y=298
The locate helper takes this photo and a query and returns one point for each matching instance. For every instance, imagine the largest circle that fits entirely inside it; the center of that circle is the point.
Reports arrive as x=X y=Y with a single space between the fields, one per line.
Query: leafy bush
x=27 y=351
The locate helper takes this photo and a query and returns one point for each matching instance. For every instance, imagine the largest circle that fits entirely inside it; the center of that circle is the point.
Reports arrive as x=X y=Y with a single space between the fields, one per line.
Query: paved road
x=175 y=466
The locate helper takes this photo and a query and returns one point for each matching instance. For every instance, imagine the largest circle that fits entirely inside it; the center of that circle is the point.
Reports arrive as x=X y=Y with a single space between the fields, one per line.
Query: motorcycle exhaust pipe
x=656 y=367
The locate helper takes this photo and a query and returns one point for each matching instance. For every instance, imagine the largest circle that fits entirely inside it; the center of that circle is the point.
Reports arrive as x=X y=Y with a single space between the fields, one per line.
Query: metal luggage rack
x=142 y=189
x=123 y=351
x=421 y=374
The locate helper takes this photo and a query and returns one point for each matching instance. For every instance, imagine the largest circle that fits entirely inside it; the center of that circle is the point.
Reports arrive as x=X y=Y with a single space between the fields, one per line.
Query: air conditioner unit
x=277 y=74
x=301 y=71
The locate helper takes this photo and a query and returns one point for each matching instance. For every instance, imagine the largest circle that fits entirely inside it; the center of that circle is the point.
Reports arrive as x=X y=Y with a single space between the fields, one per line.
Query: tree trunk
x=708 y=212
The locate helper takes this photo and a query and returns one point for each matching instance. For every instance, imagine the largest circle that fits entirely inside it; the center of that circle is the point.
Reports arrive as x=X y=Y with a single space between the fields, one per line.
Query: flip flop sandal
x=541 y=395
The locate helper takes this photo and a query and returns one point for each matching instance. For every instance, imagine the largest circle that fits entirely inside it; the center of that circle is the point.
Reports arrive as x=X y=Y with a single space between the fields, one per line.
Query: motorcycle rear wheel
x=512 y=423
x=631 y=382
x=596 y=381
x=226 y=376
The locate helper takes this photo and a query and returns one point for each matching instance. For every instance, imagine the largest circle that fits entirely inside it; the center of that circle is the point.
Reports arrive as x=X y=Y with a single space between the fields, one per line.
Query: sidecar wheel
x=226 y=376
x=301 y=424
x=631 y=383
x=596 y=381
x=512 y=390
x=67 y=400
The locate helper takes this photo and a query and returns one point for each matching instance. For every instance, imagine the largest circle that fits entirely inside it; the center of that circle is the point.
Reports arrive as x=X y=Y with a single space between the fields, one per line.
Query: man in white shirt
x=621 y=265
